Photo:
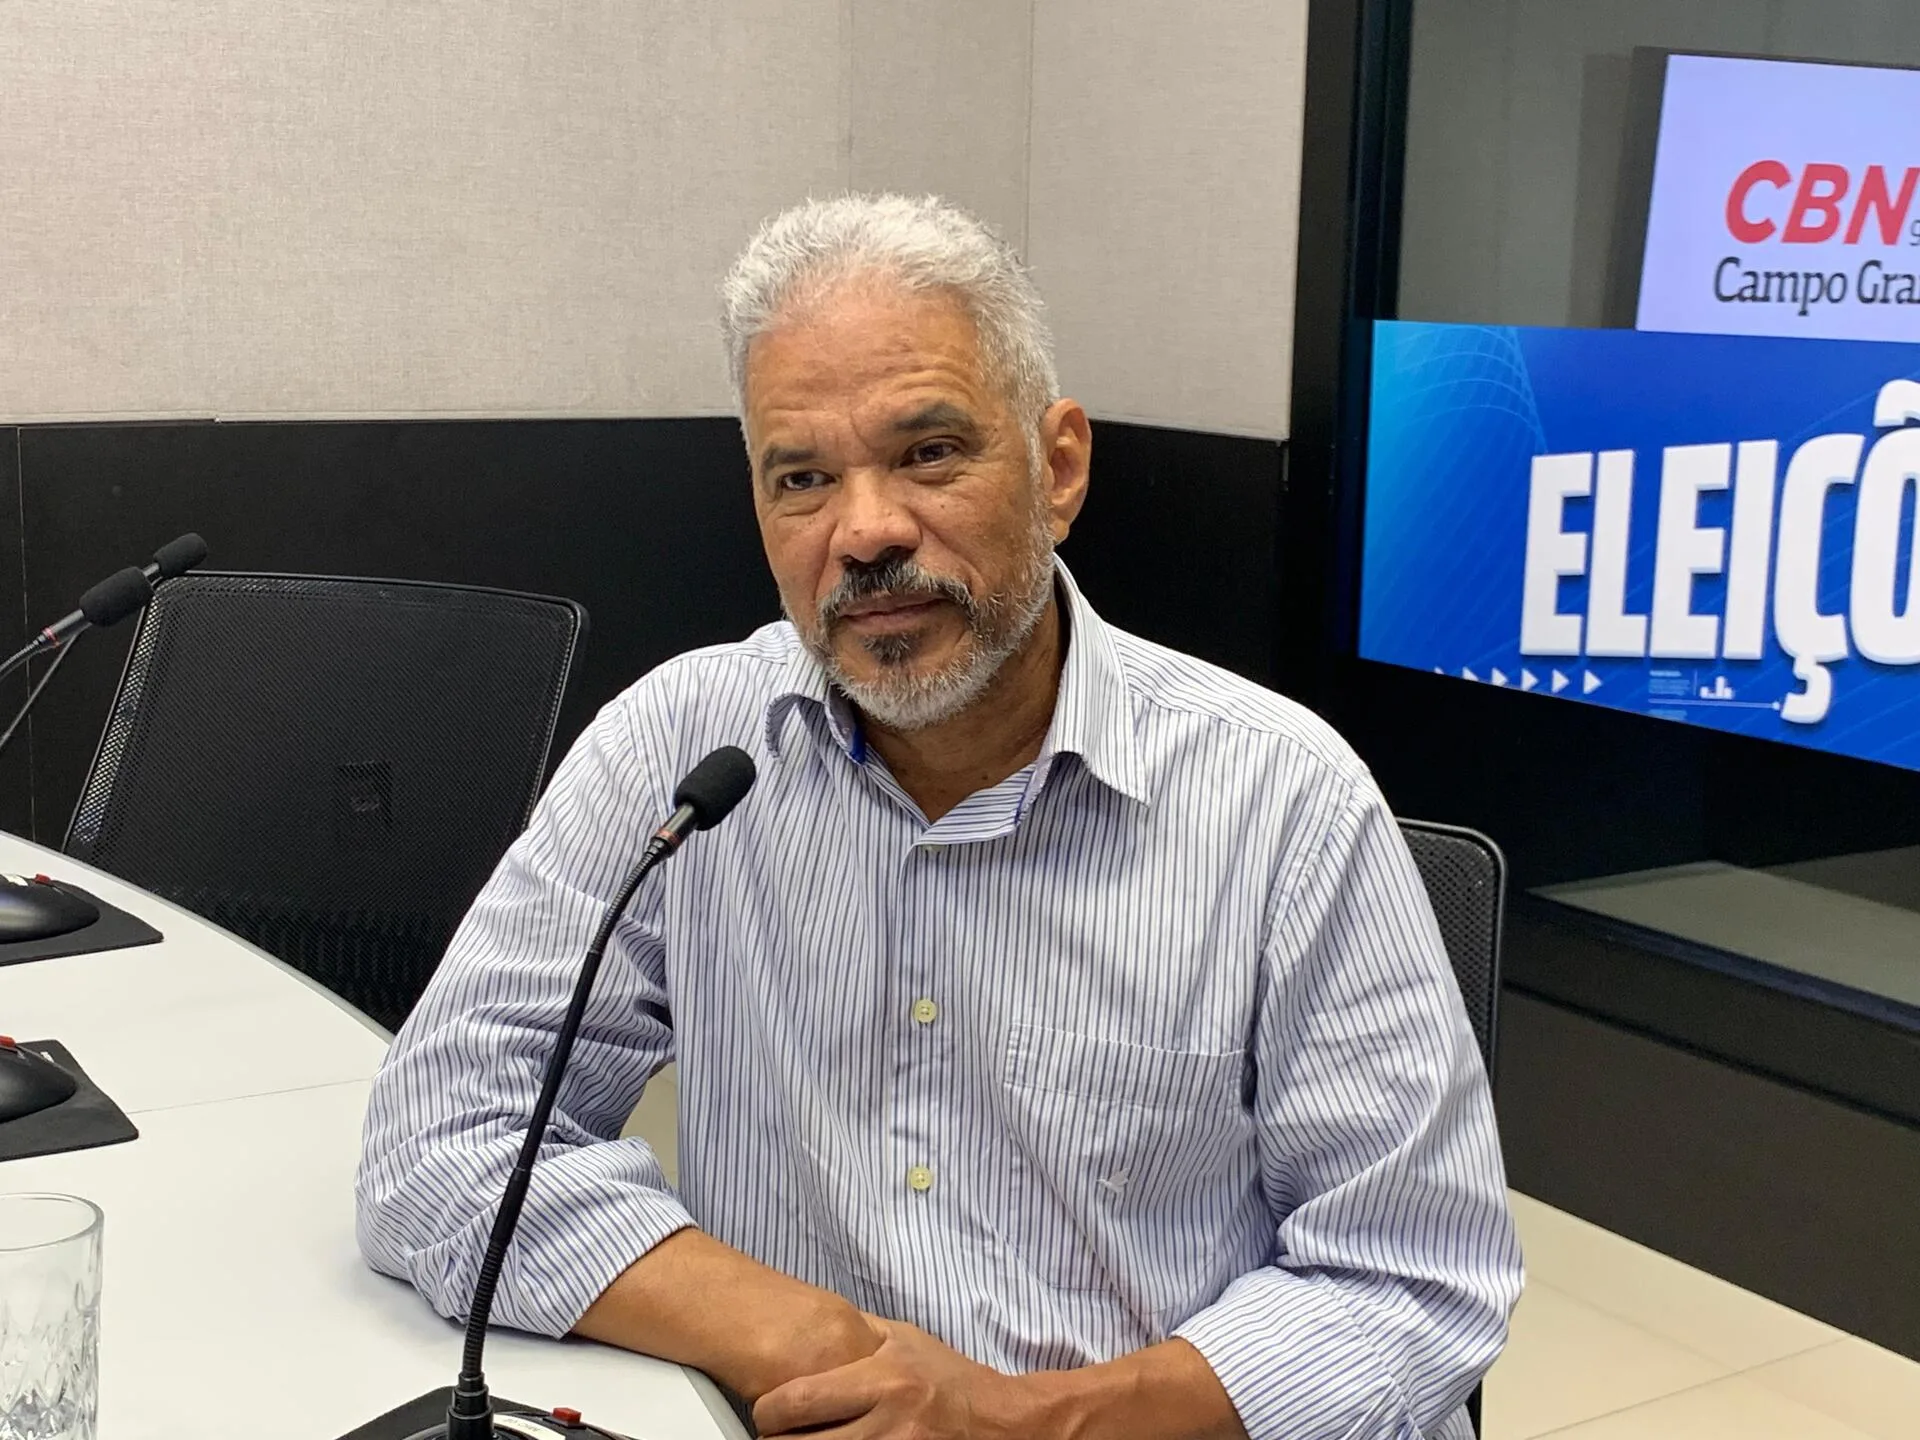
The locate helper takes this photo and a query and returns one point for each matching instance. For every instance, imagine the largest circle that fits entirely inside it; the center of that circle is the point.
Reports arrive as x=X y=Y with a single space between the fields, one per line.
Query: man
x=1065 y=1043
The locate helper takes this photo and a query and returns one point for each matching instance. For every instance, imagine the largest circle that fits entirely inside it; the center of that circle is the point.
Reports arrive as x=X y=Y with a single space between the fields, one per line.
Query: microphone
x=112 y=600
x=702 y=800
x=708 y=794
x=107 y=603
x=175 y=558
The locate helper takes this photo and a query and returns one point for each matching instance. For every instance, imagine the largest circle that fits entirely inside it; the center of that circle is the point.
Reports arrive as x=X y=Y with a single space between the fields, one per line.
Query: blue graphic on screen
x=1713 y=529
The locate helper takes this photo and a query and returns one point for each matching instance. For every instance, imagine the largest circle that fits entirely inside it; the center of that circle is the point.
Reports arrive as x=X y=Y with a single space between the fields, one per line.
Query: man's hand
x=911 y=1388
x=697 y=1302
x=817 y=1366
x=915 y=1388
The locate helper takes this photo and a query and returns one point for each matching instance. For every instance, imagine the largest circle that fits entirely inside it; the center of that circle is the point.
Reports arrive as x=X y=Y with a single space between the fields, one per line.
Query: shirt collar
x=1092 y=715
x=804 y=685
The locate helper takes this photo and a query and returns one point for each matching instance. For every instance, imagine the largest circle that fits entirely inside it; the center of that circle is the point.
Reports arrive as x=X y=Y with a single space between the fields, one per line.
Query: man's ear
x=1066 y=444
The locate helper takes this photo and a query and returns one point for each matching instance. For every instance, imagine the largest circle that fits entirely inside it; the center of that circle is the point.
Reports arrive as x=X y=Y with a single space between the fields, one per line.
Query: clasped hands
x=912 y=1387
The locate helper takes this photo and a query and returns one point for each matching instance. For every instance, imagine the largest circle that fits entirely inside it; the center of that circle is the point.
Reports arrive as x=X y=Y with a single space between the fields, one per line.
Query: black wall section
x=649 y=523
x=1643 y=793
x=1797 y=1198
x=1859 y=1050
x=1450 y=750
x=16 y=801
x=1178 y=541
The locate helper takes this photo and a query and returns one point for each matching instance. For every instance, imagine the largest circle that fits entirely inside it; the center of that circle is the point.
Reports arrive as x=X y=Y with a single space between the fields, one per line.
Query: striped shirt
x=1153 y=1038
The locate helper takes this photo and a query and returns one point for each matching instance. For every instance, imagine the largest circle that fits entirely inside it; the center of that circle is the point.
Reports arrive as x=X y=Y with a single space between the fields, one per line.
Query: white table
x=235 y=1303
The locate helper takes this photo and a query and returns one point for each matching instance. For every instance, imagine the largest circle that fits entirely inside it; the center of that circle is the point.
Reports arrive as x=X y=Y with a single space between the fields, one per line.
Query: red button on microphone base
x=565 y=1415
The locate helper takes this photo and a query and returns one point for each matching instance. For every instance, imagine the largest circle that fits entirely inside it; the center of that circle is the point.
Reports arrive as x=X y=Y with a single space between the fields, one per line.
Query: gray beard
x=904 y=701
x=1000 y=625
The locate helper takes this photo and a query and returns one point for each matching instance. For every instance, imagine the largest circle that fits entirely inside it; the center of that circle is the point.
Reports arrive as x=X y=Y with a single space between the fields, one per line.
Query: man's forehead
x=880 y=370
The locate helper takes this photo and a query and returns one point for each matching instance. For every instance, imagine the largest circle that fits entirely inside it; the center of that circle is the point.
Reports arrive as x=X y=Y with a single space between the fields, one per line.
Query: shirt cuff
x=577 y=1235
x=1294 y=1362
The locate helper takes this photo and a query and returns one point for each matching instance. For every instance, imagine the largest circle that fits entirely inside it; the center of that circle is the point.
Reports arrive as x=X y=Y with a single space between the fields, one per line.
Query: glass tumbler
x=49 y=1316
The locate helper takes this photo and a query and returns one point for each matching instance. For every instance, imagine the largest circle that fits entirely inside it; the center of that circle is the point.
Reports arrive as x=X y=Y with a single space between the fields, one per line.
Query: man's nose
x=874 y=519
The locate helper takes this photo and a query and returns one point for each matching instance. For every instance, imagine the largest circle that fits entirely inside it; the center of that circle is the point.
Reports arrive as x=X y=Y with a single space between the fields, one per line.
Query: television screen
x=1713 y=529
x=1785 y=201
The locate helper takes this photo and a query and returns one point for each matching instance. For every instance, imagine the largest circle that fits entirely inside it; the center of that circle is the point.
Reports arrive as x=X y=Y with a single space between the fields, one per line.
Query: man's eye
x=933 y=452
x=800 y=480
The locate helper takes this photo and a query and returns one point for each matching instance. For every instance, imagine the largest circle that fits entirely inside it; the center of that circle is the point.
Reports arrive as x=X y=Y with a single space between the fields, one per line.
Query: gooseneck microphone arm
x=33 y=695
x=703 y=799
x=470 y=1411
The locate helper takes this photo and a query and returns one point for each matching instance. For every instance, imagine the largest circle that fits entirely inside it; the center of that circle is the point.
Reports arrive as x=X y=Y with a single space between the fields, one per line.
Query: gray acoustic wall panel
x=366 y=208
x=939 y=102
x=1164 y=204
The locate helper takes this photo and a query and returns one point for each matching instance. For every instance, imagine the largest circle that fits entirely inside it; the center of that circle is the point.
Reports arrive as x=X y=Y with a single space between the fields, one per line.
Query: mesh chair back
x=329 y=768
x=1466 y=879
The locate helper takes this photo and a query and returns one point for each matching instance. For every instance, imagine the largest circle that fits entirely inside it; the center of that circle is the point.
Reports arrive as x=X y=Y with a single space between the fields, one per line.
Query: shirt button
x=925 y=1011
x=920 y=1178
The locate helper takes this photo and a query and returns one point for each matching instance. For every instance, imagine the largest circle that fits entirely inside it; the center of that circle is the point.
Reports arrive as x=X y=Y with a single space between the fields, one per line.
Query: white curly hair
x=922 y=244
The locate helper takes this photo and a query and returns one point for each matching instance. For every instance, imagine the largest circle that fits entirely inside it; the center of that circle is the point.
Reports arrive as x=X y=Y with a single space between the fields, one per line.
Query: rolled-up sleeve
x=1395 y=1264
x=449 y=1110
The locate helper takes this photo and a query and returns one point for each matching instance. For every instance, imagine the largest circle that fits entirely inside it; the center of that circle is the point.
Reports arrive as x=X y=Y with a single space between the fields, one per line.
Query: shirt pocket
x=1129 y=1160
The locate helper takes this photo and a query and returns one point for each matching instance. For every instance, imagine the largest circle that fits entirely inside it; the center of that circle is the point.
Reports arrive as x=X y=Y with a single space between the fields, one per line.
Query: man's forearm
x=695 y=1301
x=1165 y=1392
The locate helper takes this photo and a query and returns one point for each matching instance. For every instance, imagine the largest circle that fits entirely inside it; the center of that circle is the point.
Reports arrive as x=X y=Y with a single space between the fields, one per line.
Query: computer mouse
x=34 y=908
x=30 y=1083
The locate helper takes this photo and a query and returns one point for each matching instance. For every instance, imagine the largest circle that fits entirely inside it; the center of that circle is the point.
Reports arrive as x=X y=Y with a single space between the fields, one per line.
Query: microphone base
x=425 y=1418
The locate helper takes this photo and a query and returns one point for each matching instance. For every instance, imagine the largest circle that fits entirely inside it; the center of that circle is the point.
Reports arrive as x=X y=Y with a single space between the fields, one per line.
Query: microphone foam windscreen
x=116 y=597
x=716 y=785
x=176 y=557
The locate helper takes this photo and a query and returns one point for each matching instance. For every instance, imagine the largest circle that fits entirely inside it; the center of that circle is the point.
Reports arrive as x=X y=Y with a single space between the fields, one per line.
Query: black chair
x=1466 y=879
x=329 y=768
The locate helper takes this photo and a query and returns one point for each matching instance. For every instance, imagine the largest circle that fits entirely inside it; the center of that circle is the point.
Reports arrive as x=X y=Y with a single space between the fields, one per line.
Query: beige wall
x=1165 y=201
x=395 y=207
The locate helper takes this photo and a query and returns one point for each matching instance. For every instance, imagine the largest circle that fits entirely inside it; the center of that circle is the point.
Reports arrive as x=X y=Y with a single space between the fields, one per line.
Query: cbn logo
x=1819 y=205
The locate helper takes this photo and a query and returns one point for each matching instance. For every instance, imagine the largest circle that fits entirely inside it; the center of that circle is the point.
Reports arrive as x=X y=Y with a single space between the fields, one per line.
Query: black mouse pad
x=114 y=930
x=83 y=1120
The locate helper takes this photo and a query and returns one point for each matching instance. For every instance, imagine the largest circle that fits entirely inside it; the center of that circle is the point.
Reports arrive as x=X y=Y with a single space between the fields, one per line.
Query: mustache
x=893 y=577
